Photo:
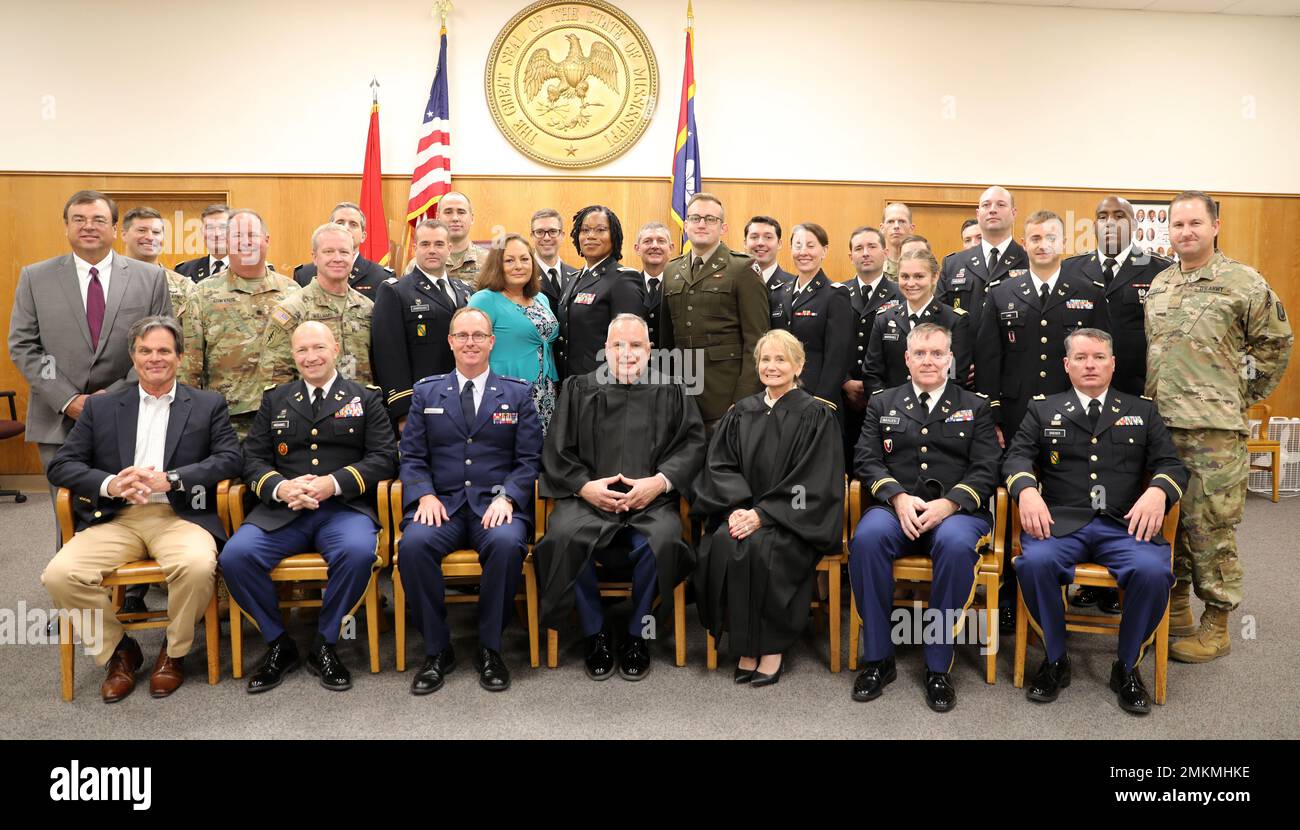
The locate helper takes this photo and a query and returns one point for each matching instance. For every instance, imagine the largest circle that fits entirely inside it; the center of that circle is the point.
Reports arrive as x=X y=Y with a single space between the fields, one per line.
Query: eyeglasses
x=462 y=337
x=697 y=219
x=546 y=233
x=98 y=221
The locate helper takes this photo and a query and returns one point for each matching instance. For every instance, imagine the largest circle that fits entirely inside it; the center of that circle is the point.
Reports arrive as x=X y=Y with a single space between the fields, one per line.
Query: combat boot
x=1209 y=643
x=1181 y=623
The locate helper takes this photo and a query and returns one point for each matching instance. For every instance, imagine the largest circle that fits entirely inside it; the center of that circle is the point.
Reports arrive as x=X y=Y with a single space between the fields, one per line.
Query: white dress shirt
x=647 y=279
x=1050 y=282
x=1084 y=399
x=480 y=381
x=105 y=269
x=440 y=283
x=869 y=288
x=770 y=270
x=1119 y=258
x=986 y=248
x=934 y=396
x=212 y=264
x=150 y=436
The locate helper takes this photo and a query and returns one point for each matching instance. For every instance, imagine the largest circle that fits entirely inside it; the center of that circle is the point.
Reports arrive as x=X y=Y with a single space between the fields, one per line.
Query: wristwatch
x=174 y=479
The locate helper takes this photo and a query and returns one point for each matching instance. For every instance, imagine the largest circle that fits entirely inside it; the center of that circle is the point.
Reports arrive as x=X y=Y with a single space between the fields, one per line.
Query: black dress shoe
x=323 y=662
x=872 y=680
x=492 y=672
x=744 y=675
x=762 y=679
x=633 y=659
x=1049 y=681
x=1007 y=619
x=939 y=692
x=1128 y=688
x=600 y=657
x=281 y=658
x=433 y=673
x=1109 y=601
x=1086 y=597
x=133 y=604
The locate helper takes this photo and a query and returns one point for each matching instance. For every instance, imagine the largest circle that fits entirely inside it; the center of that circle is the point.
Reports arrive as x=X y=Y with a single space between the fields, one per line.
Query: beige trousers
x=186 y=553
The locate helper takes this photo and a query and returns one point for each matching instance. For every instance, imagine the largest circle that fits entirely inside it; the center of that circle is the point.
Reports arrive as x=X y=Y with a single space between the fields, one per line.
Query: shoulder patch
x=282 y=317
x=1040 y=397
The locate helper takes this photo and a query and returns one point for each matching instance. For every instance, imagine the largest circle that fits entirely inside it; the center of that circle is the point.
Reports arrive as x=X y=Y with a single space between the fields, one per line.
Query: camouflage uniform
x=225 y=325
x=891 y=269
x=348 y=317
x=465 y=265
x=1219 y=342
x=180 y=289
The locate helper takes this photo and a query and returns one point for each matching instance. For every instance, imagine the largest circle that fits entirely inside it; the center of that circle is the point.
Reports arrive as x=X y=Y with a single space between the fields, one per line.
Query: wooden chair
x=310 y=571
x=623 y=589
x=828 y=610
x=1263 y=444
x=458 y=568
x=1096 y=576
x=141 y=572
x=921 y=569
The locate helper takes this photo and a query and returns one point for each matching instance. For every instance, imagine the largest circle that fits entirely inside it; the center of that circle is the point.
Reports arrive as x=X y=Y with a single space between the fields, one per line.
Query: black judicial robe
x=601 y=428
x=788 y=465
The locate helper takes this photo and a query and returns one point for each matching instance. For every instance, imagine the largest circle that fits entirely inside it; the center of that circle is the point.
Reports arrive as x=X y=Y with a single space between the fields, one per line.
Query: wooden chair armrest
x=223 y=504
x=395 y=511
x=1002 y=506
x=63 y=512
x=382 y=507
x=235 y=504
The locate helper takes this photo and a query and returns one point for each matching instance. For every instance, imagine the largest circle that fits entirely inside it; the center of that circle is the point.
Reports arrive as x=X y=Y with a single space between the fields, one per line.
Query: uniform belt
x=706 y=340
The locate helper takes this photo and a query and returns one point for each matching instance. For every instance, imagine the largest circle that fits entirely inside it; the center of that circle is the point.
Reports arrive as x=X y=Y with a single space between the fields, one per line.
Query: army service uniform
x=884 y=366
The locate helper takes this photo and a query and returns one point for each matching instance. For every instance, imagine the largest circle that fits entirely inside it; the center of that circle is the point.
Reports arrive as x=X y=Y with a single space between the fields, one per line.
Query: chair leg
x=552 y=648
x=1022 y=638
x=236 y=639
x=833 y=617
x=66 y=657
x=679 y=622
x=530 y=591
x=1162 y=658
x=711 y=655
x=399 y=617
x=993 y=638
x=855 y=627
x=372 y=621
x=212 y=627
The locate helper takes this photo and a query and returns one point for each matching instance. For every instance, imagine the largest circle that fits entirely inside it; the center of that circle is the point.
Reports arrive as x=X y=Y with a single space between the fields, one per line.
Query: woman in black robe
x=772 y=498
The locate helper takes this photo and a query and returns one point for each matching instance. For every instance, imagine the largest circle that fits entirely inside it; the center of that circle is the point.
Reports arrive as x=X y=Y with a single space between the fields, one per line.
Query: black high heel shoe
x=744 y=675
x=761 y=679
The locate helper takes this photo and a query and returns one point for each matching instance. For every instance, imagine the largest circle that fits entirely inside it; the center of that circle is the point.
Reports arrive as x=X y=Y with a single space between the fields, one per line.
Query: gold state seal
x=572 y=84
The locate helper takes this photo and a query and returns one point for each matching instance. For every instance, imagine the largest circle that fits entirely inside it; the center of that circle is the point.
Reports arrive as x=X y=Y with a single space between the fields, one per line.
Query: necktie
x=94 y=307
x=697 y=265
x=925 y=401
x=914 y=320
x=993 y=260
x=555 y=280
x=1094 y=413
x=217 y=265
x=654 y=291
x=1044 y=293
x=445 y=291
x=317 y=398
x=1108 y=272
x=467 y=402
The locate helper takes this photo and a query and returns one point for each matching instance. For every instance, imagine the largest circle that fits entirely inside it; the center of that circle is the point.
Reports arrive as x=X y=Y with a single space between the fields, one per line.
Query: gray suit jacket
x=49 y=340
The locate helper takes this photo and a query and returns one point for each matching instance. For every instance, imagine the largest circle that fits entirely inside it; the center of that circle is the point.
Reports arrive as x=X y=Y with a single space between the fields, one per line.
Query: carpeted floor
x=1250 y=694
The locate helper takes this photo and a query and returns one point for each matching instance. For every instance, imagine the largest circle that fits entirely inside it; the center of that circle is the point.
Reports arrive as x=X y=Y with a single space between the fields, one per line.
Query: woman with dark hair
x=510 y=294
x=772 y=498
x=820 y=314
x=597 y=294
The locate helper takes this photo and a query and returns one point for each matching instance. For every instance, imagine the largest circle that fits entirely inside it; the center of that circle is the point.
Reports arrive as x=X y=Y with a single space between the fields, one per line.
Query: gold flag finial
x=690 y=15
x=442 y=8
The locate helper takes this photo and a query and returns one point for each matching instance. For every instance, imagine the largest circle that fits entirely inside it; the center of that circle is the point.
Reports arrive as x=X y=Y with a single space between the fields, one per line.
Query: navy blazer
x=471 y=463
x=201 y=447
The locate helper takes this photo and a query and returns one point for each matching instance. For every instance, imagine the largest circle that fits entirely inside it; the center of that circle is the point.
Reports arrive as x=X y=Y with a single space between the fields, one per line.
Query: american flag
x=432 y=176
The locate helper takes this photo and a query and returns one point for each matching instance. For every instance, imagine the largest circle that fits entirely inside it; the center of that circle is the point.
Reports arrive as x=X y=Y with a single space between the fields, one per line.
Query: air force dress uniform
x=346 y=436
x=468 y=454
x=942 y=447
x=1090 y=475
x=408 y=334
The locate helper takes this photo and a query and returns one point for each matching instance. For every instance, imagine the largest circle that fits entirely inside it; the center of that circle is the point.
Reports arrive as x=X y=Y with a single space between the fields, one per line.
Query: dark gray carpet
x=1250 y=694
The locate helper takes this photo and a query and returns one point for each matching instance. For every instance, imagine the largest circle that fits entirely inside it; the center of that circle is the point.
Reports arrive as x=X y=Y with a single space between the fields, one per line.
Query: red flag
x=375 y=247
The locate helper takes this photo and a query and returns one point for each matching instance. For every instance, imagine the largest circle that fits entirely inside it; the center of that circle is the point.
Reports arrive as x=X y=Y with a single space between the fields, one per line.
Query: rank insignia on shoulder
x=960 y=310
x=391 y=280
x=982 y=395
x=1099 y=284
x=269 y=387
x=995 y=282
x=1040 y=397
x=372 y=386
x=1145 y=398
x=877 y=391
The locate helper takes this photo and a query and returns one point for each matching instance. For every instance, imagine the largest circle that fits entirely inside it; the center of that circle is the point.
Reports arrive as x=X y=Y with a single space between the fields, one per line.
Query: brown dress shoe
x=122 y=666
x=168 y=674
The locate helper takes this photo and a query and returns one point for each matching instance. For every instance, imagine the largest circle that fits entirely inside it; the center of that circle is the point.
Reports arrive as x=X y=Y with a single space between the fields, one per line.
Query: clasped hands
x=916 y=515
x=305 y=492
x=644 y=490
x=137 y=484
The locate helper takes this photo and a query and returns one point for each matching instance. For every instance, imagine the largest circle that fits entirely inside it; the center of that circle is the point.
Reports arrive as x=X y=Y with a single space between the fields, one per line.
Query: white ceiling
x=1269 y=8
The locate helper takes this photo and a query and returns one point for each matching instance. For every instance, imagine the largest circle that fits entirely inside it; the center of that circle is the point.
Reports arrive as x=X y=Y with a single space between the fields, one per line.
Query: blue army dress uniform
x=948 y=451
x=1090 y=476
x=349 y=437
x=884 y=365
x=467 y=455
x=821 y=317
x=866 y=304
x=408 y=334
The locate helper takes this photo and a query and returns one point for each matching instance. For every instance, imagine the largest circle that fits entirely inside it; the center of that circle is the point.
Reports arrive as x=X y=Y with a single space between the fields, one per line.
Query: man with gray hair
x=654 y=244
x=366 y=275
x=626 y=445
x=179 y=444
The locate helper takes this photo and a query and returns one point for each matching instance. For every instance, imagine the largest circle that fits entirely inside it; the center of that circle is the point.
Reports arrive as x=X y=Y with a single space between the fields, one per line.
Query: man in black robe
x=625 y=445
